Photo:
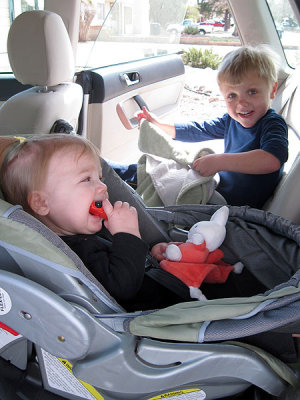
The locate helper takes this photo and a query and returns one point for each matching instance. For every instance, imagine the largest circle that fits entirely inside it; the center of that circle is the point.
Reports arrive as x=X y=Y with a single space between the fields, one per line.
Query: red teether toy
x=97 y=209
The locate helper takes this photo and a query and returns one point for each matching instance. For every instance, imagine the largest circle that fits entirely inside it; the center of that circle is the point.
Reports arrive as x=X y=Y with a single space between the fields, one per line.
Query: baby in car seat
x=56 y=178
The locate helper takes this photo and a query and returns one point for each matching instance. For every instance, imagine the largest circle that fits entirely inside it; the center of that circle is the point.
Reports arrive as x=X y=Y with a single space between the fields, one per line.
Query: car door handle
x=130 y=78
x=140 y=101
x=126 y=115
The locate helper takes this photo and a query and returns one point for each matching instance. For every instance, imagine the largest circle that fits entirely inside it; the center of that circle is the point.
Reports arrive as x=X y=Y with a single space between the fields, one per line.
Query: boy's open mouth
x=245 y=114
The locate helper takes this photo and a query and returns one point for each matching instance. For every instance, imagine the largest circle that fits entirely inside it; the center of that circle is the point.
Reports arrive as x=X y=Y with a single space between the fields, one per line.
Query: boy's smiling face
x=248 y=101
x=72 y=183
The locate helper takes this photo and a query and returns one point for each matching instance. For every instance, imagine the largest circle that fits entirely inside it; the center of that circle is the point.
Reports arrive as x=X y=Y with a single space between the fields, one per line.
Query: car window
x=119 y=31
x=112 y=32
x=10 y=9
x=123 y=31
x=288 y=29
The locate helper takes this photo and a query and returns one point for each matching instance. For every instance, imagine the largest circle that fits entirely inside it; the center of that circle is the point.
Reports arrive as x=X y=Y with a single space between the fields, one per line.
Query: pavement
x=201 y=99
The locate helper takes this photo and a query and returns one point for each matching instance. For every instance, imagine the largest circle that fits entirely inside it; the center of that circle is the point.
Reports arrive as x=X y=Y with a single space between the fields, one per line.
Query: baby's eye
x=252 y=91
x=87 y=179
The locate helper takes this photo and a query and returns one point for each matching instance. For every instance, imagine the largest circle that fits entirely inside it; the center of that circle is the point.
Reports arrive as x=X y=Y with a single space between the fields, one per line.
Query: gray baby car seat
x=62 y=336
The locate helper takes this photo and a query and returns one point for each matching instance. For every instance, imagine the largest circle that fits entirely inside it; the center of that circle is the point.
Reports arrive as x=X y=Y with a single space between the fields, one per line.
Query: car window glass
x=116 y=31
x=119 y=31
x=125 y=31
x=10 y=9
x=288 y=29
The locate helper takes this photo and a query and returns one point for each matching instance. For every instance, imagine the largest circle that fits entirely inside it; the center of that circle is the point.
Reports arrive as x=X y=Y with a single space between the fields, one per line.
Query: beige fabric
x=41 y=55
x=39 y=49
x=285 y=201
x=33 y=112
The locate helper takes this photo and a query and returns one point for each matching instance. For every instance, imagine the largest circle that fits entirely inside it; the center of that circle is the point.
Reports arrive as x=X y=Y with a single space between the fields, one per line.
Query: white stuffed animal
x=199 y=258
x=213 y=231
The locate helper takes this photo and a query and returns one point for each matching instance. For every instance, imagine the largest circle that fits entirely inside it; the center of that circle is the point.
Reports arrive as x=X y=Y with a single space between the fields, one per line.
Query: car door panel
x=117 y=93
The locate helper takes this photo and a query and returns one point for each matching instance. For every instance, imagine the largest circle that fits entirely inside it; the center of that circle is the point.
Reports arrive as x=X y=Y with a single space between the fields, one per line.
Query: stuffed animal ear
x=220 y=217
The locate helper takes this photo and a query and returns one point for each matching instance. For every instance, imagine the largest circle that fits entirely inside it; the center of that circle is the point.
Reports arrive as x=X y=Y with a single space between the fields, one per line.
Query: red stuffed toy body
x=193 y=263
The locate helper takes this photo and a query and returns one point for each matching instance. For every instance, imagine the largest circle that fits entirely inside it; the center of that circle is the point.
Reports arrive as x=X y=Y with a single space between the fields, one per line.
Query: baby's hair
x=24 y=164
x=238 y=63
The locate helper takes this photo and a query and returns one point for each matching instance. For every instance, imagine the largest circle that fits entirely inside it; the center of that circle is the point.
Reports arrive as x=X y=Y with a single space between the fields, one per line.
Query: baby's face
x=248 y=101
x=73 y=182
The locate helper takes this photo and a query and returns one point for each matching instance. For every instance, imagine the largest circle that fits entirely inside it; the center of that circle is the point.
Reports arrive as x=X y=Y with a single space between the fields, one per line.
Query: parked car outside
x=214 y=22
x=202 y=28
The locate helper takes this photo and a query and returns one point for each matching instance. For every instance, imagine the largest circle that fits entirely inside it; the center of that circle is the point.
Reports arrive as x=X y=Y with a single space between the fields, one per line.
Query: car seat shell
x=117 y=363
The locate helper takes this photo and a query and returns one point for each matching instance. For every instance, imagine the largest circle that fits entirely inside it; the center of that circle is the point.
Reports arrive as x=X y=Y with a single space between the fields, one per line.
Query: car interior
x=52 y=95
x=60 y=331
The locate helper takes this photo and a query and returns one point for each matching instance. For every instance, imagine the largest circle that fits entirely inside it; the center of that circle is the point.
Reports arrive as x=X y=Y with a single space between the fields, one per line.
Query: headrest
x=39 y=49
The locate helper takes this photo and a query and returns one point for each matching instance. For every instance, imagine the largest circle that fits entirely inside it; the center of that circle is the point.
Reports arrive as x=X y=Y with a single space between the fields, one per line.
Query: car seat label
x=60 y=376
x=186 y=394
x=5 y=302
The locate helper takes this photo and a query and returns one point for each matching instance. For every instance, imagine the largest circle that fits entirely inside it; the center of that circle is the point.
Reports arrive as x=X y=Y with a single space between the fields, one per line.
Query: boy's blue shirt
x=270 y=133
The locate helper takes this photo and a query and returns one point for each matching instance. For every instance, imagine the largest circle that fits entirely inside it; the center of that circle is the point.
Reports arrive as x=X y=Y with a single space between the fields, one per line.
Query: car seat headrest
x=39 y=49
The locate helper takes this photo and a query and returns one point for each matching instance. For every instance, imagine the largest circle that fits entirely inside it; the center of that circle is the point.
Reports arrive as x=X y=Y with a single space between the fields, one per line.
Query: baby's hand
x=207 y=165
x=159 y=249
x=121 y=217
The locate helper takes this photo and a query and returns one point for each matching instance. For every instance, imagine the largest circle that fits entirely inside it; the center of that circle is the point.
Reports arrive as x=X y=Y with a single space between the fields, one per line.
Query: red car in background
x=214 y=22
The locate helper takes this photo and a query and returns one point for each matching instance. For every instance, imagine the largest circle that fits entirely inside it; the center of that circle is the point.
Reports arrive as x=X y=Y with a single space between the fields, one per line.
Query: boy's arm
x=251 y=162
x=169 y=129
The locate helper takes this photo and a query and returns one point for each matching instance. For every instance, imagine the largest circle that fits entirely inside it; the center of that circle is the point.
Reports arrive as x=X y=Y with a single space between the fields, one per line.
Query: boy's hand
x=169 y=129
x=145 y=114
x=121 y=217
x=207 y=165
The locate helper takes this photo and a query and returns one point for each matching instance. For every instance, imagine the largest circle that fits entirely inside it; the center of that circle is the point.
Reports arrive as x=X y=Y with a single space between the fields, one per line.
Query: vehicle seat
x=40 y=54
x=284 y=201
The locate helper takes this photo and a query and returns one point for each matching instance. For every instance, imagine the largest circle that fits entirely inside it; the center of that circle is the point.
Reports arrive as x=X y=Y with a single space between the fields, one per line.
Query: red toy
x=198 y=265
x=199 y=259
x=97 y=209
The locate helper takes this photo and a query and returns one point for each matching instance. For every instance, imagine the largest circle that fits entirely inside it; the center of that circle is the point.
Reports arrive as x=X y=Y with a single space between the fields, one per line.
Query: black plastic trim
x=106 y=83
x=10 y=86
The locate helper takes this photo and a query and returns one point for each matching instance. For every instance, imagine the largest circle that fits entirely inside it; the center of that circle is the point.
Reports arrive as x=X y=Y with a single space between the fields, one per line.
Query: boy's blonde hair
x=24 y=164
x=238 y=63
